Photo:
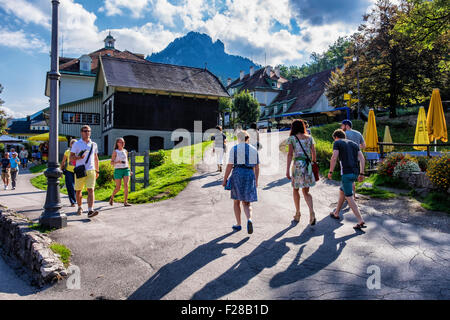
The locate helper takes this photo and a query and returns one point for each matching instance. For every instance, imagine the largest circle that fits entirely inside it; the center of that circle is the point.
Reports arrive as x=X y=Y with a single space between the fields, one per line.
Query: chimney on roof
x=252 y=71
x=241 y=76
x=228 y=81
x=277 y=71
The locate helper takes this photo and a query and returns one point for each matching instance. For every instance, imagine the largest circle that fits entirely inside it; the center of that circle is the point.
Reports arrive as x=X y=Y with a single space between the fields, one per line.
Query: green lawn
x=166 y=180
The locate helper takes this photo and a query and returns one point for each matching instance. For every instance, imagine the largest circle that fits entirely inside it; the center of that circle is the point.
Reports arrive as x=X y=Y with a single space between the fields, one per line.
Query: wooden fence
x=134 y=164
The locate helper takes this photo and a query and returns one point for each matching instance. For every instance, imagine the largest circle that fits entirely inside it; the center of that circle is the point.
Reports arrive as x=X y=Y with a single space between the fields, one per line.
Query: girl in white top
x=119 y=160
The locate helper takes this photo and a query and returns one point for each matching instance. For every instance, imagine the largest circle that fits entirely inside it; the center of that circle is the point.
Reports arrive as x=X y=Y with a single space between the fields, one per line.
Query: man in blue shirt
x=15 y=162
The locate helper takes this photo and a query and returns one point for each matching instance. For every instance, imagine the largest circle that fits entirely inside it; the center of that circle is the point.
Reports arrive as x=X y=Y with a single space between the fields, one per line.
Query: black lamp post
x=53 y=216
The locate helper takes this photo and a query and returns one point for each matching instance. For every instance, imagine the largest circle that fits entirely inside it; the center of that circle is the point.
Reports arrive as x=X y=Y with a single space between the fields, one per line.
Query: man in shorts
x=6 y=169
x=85 y=152
x=349 y=154
x=356 y=137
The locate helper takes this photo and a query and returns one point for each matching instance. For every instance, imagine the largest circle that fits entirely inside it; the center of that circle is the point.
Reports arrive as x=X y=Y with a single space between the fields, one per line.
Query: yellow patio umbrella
x=365 y=131
x=45 y=137
x=388 y=139
x=421 y=136
x=437 y=128
x=372 y=134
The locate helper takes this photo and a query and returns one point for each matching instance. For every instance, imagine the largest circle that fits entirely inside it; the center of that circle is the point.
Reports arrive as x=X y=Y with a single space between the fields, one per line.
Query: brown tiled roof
x=257 y=80
x=74 y=64
x=63 y=60
x=143 y=74
x=306 y=91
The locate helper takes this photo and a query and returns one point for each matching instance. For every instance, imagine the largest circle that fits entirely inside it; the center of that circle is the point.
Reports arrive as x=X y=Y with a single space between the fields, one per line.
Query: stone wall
x=418 y=181
x=30 y=248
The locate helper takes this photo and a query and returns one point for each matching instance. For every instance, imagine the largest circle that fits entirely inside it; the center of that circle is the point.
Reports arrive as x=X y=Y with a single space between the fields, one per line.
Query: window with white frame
x=80 y=118
x=285 y=107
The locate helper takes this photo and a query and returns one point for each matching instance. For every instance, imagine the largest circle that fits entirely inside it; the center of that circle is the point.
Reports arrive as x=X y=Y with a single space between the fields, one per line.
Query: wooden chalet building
x=144 y=101
x=120 y=94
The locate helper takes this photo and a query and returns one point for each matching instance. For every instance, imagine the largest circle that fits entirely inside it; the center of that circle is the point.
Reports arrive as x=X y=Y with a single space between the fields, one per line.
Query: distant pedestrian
x=219 y=148
x=6 y=169
x=85 y=153
x=15 y=163
x=354 y=136
x=67 y=167
x=253 y=132
x=243 y=163
x=44 y=152
x=38 y=156
x=349 y=154
x=23 y=156
x=303 y=152
x=122 y=171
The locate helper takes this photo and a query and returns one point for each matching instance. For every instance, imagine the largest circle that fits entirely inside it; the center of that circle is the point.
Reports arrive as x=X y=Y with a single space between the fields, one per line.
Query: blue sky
x=288 y=31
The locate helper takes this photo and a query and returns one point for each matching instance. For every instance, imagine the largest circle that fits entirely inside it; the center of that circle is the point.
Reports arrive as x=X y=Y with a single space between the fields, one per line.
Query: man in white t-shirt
x=80 y=153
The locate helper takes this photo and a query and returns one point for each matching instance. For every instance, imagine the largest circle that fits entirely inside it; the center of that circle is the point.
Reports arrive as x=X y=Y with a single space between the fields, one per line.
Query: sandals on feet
x=236 y=228
x=333 y=216
x=111 y=201
x=313 y=222
x=359 y=226
x=297 y=217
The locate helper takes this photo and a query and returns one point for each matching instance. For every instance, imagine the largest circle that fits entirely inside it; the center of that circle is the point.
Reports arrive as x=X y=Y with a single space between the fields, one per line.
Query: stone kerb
x=30 y=248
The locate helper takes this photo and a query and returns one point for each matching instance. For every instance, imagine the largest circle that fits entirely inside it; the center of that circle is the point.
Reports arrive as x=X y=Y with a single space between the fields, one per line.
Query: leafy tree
x=332 y=58
x=3 y=115
x=394 y=68
x=337 y=87
x=225 y=105
x=425 y=21
x=246 y=107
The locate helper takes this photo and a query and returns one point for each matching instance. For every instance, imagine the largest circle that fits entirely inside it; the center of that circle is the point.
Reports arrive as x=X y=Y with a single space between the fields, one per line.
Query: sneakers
x=249 y=227
x=92 y=213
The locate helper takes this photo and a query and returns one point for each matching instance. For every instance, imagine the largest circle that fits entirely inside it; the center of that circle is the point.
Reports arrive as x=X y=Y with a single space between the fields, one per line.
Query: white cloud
x=115 y=7
x=245 y=27
x=145 y=39
x=23 y=106
x=26 y=11
x=14 y=114
x=22 y=40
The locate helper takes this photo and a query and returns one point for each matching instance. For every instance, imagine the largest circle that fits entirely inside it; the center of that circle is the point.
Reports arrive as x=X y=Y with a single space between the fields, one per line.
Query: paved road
x=182 y=248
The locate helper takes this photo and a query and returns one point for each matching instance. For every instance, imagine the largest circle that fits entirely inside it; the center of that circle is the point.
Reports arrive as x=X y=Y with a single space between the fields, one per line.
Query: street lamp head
x=355 y=58
x=350 y=92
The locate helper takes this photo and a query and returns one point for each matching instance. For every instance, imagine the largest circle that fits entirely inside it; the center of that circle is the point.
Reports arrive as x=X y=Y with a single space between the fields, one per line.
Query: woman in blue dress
x=243 y=165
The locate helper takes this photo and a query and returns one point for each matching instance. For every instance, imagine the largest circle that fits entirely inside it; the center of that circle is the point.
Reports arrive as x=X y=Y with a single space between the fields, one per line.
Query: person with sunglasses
x=85 y=153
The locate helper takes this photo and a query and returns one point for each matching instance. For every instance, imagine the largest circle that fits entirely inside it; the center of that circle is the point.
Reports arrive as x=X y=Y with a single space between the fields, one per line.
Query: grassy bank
x=166 y=180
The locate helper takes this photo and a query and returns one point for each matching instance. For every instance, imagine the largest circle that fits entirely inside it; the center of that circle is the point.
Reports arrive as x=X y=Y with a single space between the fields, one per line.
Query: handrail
x=381 y=144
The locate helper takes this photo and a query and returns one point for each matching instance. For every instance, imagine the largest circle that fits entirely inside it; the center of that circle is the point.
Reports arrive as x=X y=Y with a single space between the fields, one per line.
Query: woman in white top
x=122 y=170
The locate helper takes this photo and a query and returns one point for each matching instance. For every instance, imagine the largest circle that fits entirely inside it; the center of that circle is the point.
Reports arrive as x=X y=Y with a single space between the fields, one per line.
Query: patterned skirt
x=301 y=176
x=243 y=185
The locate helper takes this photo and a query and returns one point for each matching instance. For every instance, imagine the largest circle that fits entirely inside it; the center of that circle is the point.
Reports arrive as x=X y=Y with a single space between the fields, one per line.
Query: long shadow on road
x=270 y=252
x=174 y=273
x=326 y=253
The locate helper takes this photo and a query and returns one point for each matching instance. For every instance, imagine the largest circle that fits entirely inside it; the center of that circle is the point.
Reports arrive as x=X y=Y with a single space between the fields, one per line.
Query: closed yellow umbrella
x=437 y=128
x=387 y=139
x=372 y=134
x=365 y=131
x=421 y=136
x=45 y=137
